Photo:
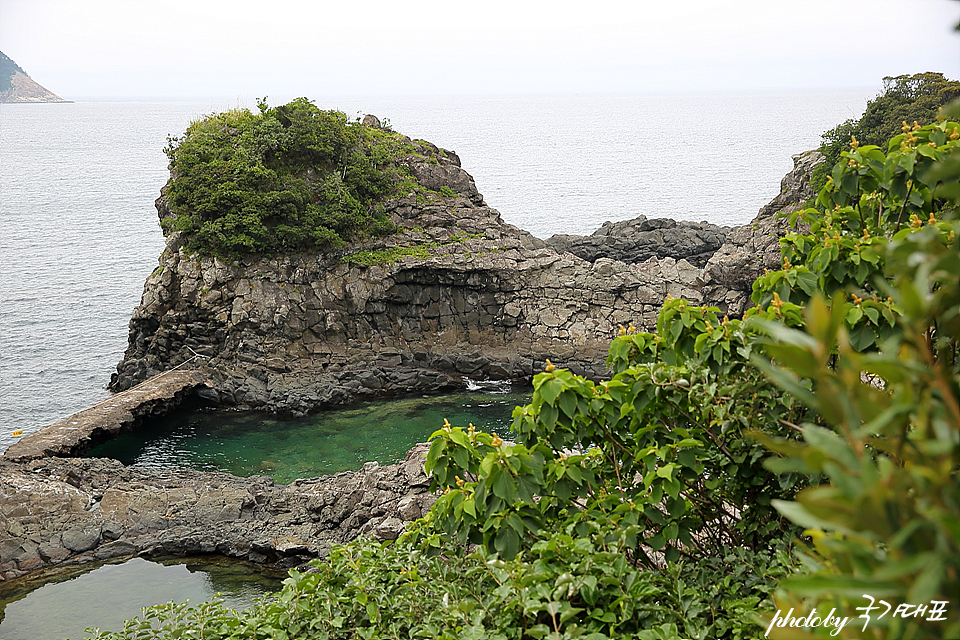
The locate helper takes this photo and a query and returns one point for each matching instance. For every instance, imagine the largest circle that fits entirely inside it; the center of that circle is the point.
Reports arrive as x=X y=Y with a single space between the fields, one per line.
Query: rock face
x=70 y=510
x=474 y=297
x=727 y=278
x=457 y=292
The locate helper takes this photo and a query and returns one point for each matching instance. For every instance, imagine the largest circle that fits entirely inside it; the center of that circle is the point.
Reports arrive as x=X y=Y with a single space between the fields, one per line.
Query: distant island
x=17 y=86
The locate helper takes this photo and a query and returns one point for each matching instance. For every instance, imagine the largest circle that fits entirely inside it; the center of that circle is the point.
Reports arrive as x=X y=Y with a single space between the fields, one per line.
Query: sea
x=79 y=232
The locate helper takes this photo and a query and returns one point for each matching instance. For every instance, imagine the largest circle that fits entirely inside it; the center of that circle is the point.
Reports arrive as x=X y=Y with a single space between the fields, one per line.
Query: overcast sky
x=241 y=49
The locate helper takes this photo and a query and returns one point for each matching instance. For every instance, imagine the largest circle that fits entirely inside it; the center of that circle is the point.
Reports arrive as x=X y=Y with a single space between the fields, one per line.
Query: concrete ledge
x=82 y=431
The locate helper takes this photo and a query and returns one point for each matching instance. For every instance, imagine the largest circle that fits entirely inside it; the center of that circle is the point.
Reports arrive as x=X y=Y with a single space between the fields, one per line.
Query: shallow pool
x=75 y=599
x=249 y=443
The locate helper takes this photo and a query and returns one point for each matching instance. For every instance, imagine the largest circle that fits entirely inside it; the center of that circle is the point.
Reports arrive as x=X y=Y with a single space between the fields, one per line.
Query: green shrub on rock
x=289 y=178
x=911 y=99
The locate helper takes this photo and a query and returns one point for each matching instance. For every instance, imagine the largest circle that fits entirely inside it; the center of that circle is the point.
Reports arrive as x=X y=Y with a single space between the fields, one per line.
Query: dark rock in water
x=76 y=510
x=640 y=239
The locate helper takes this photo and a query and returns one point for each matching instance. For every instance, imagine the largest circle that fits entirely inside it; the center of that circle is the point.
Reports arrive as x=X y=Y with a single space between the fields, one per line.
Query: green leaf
x=863 y=337
x=807 y=282
x=798 y=514
x=656 y=542
x=854 y=315
x=832 y=445
x=503 y=485
x=671 y=530
x=550 y=389
x=507 y=542
x=568 y=403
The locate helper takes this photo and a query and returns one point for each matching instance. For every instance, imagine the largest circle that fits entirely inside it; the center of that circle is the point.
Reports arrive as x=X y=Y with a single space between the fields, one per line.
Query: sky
x=243 y=49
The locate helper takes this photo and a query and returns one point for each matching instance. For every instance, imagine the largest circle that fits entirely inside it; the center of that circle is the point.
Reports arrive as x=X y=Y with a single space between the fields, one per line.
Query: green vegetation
x=289 y=178
x=7 y=69
x=391 y=255
x=420 y=251
x=905 y=100
x=649 y=506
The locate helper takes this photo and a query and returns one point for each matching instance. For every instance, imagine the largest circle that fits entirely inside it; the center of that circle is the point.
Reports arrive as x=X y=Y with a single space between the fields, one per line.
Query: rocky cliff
x=456 y=292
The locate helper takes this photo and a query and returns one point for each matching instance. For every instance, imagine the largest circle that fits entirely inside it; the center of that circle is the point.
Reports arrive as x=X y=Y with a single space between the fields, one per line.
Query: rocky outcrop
x=727 y=278
x=122 y=412
x=58 y=511
x=640 y=239
x=457 y=292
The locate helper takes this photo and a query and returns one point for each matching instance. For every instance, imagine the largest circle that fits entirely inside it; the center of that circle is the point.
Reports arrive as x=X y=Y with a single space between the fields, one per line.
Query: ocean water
x=79 y=233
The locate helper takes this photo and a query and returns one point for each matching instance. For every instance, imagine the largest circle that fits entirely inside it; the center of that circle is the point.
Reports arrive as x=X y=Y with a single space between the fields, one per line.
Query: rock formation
x=73 y=510
x=120 y=413
x=640 y=239
x=457 y=292
x=727 y=278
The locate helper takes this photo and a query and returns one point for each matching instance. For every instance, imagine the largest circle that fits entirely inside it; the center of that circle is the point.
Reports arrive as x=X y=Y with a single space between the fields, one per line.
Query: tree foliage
x=289 y=178
x=648 y=505
x=906 y=99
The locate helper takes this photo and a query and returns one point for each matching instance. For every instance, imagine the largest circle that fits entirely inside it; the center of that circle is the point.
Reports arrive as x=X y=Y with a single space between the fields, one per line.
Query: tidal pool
x=76 y=599
x=249 y=443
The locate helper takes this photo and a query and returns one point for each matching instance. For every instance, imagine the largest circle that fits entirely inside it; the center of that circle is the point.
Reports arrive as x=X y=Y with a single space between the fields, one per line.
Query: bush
x=906 y=99
x=287 y=179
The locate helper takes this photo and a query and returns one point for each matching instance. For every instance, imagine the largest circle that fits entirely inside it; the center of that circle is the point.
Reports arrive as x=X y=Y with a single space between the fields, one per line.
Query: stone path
x=103 y=421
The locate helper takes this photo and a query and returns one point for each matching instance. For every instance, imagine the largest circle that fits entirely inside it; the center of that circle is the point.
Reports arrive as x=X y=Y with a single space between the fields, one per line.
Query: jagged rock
x=475 y=297
x=75 y=510
x=640 y=239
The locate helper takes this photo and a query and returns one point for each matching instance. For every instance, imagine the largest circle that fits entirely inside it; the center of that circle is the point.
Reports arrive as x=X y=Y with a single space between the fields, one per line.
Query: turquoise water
x=248 y=443
x=77 y=599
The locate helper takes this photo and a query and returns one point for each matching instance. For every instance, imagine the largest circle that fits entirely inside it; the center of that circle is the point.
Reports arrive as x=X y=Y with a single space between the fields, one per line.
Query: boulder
x=640 y=239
